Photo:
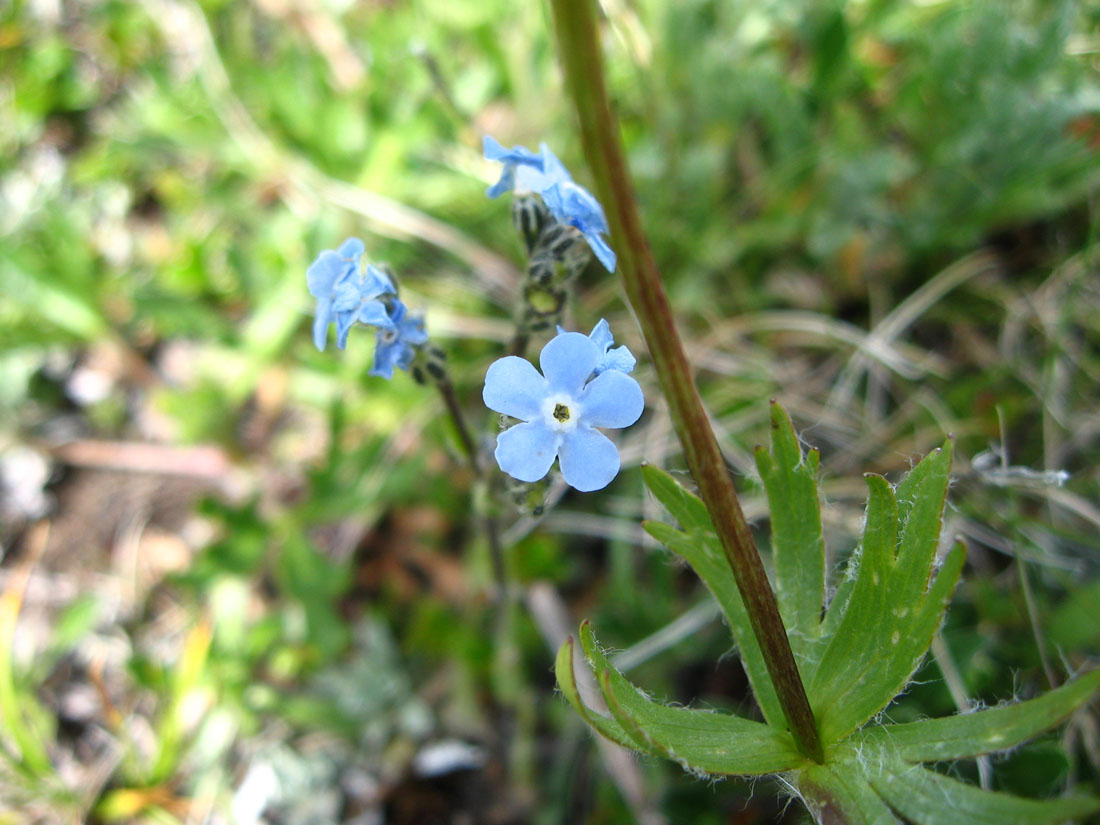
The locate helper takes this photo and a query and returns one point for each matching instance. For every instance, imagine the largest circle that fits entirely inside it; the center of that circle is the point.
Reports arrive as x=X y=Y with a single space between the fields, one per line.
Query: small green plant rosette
x=855 y=654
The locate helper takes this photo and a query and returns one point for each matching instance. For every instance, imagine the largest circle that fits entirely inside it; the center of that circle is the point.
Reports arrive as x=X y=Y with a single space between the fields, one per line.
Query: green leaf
x=55 y=302
x=849 y=655
x=888 y=622
x=921 y=496
x=984 y=731
x=19 y=708
x=1076 y=622
x=567 y=683
x=699 y=547
x=798 y=547
x=927 y=798
x=686 y=508
x=839 y=793
x=699 y=740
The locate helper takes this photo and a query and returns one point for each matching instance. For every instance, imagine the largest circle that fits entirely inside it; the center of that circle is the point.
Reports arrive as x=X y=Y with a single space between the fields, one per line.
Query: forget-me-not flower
x=396 y=345
x=345 y=295
x=560 y=411
x=516 y=158
x=567 y=201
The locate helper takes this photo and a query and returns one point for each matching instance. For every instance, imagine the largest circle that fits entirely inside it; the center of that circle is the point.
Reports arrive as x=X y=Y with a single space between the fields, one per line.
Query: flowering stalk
x=492 y=529
x=578 y=47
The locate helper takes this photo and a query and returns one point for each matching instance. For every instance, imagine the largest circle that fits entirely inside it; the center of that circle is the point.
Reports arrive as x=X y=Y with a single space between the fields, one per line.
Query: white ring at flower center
x=551 y=405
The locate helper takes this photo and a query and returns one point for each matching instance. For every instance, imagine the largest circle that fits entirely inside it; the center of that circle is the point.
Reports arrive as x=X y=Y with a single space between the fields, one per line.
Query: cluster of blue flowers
x=568 y=202
x=583 y=385
x=347 y=295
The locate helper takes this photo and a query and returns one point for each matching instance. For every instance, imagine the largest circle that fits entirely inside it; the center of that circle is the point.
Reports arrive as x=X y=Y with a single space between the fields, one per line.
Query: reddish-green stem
x=578 y=48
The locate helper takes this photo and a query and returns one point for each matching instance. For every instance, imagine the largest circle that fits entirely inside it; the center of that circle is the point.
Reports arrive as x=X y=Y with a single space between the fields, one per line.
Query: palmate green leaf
x=892 y=614
x=711 y=742
x=798 y=547
x=984 y=731
x=925 y=797
x=699 y=547
x=859 y=657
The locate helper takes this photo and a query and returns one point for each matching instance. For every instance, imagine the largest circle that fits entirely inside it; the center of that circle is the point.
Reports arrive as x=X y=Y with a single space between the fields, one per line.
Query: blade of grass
x=32 y=751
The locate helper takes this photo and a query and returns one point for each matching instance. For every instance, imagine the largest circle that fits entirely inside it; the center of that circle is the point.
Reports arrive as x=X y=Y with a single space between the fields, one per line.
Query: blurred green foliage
x=169 y=170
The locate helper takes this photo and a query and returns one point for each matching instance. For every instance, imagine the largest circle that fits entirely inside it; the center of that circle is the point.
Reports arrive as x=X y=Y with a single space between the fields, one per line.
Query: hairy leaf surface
x=697 y=544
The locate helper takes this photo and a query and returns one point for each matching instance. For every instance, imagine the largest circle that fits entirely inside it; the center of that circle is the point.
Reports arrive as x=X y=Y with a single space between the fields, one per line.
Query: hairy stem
x=578 y=48
x=492 y=529
x=454 y=409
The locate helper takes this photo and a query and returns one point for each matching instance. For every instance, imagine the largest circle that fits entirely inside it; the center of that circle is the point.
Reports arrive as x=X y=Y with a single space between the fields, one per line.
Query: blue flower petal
x=514 y=387
x=588 y=458
x=387 y=355
x=574 y=205
x=567 y=361
x=529 y=179
x=581 y=208
x=374 y=313
x=397 y=313
x=601 y=335
x=409 y=330
x=511 y=158
x=352 y=248
x=320 y=324
x=397 y=340
x=604 y=253
x=553 y=168
x=612 y=399
x=506 y=183
x=344 y=322
x=527 y=451
x=493 y=150
x=620 y=358
x=345 y=297
x=324 y=272
x=412 y=331
x=376 y=283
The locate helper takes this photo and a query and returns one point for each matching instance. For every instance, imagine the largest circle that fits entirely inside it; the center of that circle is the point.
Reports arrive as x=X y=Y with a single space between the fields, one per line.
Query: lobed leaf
x=984 y=731
x=798 y=546
x=925 y=797
x=699 y=547
x=711 y=742
x=887 y=623
x=898 y=657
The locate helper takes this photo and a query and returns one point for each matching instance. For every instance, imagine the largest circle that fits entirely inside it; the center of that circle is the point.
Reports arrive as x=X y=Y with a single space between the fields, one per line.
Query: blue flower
x=620 y=358
x=515 y=158
x=396 y=345
x=330 y=270
x=344 y=295
x=567 y=201
x=574 y=205
x=560 y=410
x=357 y=301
